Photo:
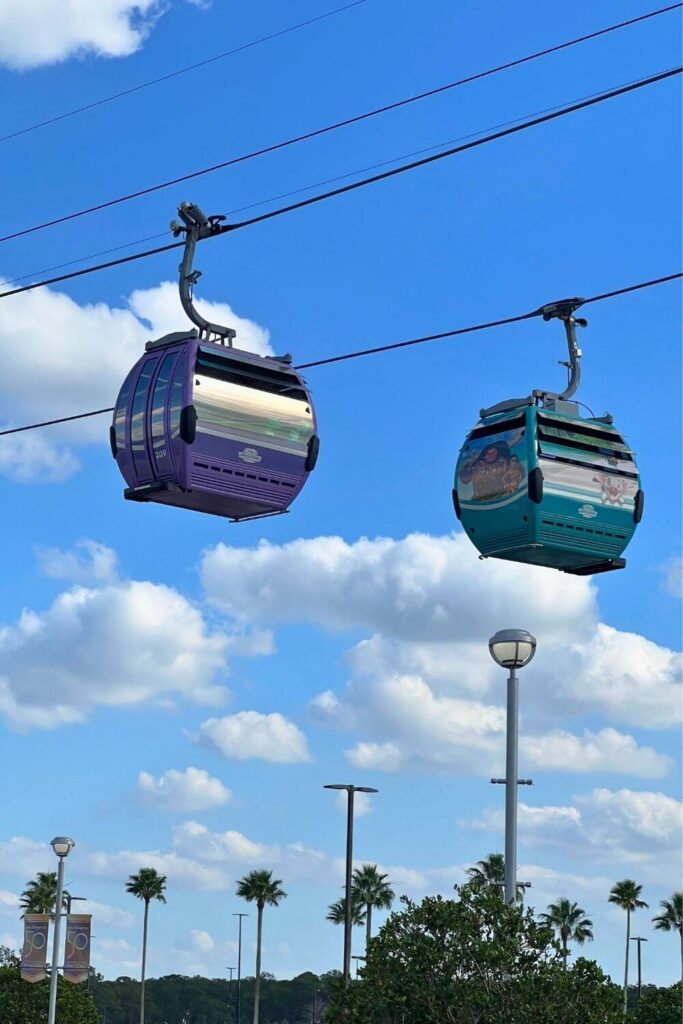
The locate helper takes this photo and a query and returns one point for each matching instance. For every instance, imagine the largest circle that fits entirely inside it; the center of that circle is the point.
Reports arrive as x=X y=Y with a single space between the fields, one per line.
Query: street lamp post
x=239 y=967
x=640 y=940
x=231 y=969
x=512 y=649
x=357 y=958
x=350 y=791
x=62 y=847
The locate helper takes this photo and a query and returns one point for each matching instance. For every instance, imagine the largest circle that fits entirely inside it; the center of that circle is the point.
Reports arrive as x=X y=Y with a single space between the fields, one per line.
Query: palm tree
x=371 y=889
x=336 y=912
x=569 y=921
x=147 y=885
x=261 y=888
x=40 y=894
x=671 y=918
x=491 y=872
x=626 y=894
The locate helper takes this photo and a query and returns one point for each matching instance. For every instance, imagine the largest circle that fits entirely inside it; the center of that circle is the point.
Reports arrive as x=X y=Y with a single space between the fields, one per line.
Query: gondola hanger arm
x=196 y=226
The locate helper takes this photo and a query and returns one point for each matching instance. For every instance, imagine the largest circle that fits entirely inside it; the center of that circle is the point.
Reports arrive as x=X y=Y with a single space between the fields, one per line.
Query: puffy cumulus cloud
x=623 y=675
x=251 y=735
x=191 y=790
x=123 y=644
x=33 y=458
x=408 y=725
x=233 y=850
x=604 y=751
x=85 y=353
x=624 y=825
x=38 y=32
x=421 y=729
x=9 y=903
x=25 y=857
x=160 y=309
x=89 y=562
x=183 y=872
x=114 y=917
x=421 y=588
x=429 y=606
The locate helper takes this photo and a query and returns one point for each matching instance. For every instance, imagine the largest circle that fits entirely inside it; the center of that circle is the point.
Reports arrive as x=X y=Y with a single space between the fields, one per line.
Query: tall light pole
x=231 y=969
x=512 y=649
x=640 y=940
x=350 y=791
x=239 y=967
x=62 y=847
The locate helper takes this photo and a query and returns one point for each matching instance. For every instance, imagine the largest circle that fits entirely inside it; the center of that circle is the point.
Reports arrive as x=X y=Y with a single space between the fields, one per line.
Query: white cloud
x=421 y=588
x=406 y=724
x=105 y=914
x=604 y=751
x=624 y=825
x=623 y=675
x=191 y=790
x=37 y=32
x=250 y=734
x=183 y=872
x=123 y=644
x=9 y=903
x=429 y=606
x=230 y=847
x=73 y=374
x=90 y=562
x=33 y=458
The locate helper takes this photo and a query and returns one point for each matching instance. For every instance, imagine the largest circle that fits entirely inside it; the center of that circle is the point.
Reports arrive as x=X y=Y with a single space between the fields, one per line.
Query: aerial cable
x=315 y=133
x=291 y=192
x=383 y=176
x=360 y=353
x=209 y=60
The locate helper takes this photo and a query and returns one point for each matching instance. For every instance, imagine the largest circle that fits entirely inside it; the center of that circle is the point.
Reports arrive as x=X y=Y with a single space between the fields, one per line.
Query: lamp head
x=62 y=845
x=512 y=648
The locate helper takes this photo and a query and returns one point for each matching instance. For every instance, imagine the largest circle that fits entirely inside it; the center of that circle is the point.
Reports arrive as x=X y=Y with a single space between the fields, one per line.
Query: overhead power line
x=360 y=353
x=292 y=192
x=315 y=133
x=383 y=176
x=193 y=67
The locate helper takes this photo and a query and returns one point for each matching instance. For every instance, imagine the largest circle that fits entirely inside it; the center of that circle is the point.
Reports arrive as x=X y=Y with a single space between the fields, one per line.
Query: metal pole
x=511 y=787
x=640 y=940
x=231 y=969
x=315 y=1006
x=52 y=1009
x=349 y=882
x=239 y=967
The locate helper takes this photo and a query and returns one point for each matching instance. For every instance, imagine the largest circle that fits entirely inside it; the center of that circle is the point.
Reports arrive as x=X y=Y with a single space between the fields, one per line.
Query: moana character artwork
x=493 y=468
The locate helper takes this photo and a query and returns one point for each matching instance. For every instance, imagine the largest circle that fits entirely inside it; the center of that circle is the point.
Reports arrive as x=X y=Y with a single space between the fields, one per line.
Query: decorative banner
x=34 y=950
x=77 y=952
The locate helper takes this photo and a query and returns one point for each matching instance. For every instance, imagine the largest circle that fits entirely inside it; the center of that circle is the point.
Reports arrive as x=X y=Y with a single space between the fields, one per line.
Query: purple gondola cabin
x=201 y=425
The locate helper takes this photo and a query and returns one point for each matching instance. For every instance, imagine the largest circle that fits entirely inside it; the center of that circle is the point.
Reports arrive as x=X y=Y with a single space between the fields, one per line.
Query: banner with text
x=34 y=950
x=77 y=952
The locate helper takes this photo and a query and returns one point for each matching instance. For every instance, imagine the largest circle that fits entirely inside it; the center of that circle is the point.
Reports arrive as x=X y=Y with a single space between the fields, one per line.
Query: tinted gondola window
x=159 y=401
x=245 y=412
x=138 y=418
x=120 y=413
x=177 y=399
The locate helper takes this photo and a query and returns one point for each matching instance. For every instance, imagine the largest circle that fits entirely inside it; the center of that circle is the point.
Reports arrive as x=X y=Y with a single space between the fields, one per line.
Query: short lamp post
x=512 y=649
x=62 y=846
x=350 y=791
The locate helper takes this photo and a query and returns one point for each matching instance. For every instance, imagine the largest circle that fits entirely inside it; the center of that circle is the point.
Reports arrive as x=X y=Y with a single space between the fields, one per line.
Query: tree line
x=179 y=1000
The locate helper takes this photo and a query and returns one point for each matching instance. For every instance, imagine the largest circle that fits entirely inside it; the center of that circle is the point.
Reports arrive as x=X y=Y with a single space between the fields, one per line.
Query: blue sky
x=239 y=668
